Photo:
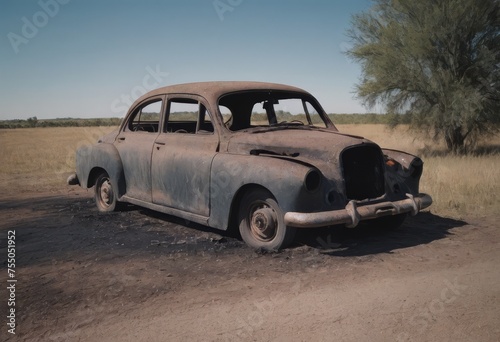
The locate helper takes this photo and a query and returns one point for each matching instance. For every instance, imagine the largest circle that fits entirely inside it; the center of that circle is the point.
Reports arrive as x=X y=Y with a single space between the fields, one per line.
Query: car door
x=135 y=145
x=182 y=156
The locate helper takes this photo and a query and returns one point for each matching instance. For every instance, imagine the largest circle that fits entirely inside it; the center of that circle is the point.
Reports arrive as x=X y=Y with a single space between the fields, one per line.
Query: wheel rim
x=106 y=192
x=263 y=222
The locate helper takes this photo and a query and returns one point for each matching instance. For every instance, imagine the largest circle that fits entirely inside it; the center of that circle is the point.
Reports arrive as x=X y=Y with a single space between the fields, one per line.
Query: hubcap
x=106 y=192
x=263 y=223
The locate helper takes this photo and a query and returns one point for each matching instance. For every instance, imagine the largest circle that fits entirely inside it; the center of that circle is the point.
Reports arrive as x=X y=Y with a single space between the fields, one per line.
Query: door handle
x=121 y=138
x=160 y=143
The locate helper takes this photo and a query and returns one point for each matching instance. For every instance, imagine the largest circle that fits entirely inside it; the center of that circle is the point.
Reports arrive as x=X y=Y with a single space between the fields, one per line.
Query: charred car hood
x=318 y=148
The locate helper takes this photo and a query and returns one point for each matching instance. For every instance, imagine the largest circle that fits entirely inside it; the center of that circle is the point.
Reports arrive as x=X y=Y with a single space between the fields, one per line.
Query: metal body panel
x=167 y=210
x=283 y=178
x=403 y=171
x=100 y=156
x=353 y=214
x=180 y=171
x=135 y=149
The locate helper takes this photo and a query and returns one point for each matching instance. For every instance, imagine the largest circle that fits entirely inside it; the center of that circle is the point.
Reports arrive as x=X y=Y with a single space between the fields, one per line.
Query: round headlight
x=312 y=180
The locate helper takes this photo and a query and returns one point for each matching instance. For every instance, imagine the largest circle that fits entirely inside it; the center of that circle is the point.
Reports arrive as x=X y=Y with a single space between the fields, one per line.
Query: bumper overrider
x=353 y=214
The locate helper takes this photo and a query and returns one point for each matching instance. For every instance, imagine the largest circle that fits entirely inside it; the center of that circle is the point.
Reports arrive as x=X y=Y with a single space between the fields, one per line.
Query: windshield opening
x=264 y=109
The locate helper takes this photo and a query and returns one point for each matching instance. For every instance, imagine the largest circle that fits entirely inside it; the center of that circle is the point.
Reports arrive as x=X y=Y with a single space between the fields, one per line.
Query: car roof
x=213 y=90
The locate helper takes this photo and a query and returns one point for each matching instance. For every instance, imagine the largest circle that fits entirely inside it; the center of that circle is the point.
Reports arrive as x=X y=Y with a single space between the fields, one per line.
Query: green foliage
x=385 y=119
x=32 y=122
x=437 y=61
x=341 y=119
x=65 y=122
x=184 y=116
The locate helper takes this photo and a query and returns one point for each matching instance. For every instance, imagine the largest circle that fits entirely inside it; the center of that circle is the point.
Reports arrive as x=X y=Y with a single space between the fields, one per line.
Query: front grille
x=363 y=168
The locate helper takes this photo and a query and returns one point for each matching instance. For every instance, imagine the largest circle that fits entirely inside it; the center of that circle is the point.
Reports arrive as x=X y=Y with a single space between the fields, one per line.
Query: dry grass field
x=136 y=275
x=40 y=159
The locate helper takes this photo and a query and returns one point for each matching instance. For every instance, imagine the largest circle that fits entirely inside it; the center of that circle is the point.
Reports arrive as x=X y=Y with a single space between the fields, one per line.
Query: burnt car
x=262 y=157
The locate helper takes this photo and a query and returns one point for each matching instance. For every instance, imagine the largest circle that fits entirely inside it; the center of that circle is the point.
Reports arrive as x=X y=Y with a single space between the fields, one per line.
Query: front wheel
x=105 y=196
x=261 y=221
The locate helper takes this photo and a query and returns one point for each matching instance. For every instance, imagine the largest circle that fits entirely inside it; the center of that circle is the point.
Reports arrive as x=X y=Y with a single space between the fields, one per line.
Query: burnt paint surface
x=135 y=149
x=403 y=171
x=284 y=179
x=90 y=160
x=181 y=165
x=203 y=174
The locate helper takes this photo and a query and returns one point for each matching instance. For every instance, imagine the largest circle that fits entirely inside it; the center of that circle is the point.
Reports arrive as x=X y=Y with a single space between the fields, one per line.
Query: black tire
x=104 y=194
x=387 y=223
x=261 y=221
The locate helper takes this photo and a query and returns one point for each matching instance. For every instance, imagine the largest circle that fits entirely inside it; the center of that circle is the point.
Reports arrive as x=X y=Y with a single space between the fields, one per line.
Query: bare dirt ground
x=137 y=275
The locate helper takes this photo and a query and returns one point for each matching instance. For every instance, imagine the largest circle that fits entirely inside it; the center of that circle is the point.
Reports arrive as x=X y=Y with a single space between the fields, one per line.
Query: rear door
x=182 y=156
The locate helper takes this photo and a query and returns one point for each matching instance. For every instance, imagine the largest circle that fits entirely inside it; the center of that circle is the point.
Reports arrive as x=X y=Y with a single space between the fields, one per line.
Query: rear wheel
x=261 y=221
x=104 y=194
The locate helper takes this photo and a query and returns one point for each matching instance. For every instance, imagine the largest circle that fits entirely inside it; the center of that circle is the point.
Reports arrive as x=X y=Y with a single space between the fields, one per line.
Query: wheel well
x=233 y=212
x=96 y=171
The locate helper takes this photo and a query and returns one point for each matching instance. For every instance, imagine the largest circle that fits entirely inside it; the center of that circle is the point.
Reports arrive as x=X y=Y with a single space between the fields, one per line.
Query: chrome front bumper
x=352 y=214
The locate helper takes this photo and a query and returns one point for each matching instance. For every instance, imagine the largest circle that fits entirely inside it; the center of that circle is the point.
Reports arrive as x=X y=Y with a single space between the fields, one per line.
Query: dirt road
x=141 y=276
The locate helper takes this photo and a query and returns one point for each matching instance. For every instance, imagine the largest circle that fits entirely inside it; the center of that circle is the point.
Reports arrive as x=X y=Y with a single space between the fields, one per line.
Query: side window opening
x=188 y=116
x=313 y=116
x=146 y=118
x=205 y=125
x=227 y=115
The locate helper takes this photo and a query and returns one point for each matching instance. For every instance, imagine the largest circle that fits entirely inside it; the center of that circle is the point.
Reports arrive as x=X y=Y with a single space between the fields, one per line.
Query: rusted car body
x=259 y=156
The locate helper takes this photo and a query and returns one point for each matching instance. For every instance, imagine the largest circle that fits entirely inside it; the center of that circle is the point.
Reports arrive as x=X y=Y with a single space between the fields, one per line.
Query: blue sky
x=88 y=58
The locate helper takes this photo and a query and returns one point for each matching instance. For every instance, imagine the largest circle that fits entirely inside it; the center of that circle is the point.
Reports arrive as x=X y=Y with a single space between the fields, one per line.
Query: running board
x=167 y=210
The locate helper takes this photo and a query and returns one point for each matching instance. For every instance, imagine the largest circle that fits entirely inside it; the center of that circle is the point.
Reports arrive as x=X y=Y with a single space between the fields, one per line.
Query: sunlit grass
x=40 y=159
x=463 y=186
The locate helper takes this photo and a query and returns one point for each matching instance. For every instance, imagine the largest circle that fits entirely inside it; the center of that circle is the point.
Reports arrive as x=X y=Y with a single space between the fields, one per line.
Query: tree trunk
x=455 y=140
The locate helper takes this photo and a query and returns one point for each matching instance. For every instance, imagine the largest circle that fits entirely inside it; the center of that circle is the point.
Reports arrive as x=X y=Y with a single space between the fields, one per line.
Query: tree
x=435 y=60
x=32 y=122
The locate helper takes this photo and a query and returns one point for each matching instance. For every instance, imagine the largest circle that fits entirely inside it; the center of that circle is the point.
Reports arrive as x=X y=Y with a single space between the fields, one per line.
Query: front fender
x=100 y=156
x=403 y=172
x=283 y=178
